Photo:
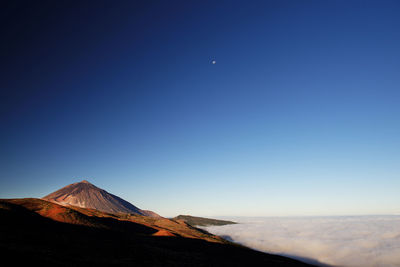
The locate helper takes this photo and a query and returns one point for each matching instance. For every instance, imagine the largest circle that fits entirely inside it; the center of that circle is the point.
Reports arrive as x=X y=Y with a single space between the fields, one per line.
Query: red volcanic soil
x=36 y=232
x=163 y=233
x=55 y=212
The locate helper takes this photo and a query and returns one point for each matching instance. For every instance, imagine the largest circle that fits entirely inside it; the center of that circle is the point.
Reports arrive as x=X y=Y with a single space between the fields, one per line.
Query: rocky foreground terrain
x=83 y=225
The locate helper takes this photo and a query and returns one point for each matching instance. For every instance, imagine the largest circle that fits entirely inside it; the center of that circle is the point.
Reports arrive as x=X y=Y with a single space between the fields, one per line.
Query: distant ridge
x=86 y=195
x=200 y=221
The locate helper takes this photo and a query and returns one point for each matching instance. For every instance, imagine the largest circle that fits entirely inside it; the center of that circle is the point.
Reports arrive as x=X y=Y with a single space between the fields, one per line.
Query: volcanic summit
x=87 y=195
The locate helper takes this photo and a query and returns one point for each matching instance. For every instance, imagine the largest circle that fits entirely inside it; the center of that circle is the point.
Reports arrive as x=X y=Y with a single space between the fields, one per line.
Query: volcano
x=86 y=195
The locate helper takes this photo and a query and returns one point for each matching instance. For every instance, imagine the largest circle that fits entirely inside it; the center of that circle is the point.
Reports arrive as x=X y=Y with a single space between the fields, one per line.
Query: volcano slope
x=38 y=232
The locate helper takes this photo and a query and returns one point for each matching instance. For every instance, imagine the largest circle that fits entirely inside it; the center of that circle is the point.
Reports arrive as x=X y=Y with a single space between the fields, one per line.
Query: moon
x=213 y=62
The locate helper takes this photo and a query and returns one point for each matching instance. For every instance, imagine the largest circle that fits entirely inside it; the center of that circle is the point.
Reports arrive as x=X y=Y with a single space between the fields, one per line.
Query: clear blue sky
x=299 y=116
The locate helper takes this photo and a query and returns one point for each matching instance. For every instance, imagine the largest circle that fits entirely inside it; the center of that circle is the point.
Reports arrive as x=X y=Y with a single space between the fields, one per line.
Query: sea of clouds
x=339 y=241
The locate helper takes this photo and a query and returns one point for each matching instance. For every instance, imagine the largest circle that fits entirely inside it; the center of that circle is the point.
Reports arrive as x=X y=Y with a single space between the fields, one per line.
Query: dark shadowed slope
x=29 y=235
x=87 y=195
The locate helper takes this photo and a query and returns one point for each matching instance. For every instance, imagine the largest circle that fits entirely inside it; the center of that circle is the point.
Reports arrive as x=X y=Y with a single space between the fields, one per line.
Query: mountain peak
x=86 y=195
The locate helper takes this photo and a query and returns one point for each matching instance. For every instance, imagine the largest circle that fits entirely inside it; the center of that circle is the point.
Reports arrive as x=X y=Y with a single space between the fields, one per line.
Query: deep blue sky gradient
x=299 y=116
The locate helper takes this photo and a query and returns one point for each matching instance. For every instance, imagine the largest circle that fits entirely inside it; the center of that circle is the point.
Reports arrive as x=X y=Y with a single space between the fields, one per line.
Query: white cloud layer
x=340 y=241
